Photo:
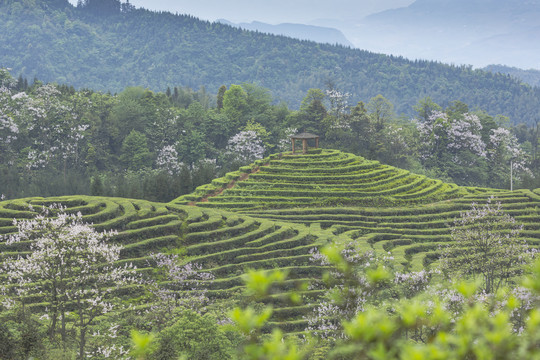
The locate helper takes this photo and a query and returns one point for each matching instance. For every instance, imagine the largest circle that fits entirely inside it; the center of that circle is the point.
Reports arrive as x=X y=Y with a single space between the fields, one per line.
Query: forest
x=108 y=45
x=160 y=145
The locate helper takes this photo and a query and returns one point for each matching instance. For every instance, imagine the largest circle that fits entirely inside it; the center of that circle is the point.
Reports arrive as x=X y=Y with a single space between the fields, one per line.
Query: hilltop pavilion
x=304 y=137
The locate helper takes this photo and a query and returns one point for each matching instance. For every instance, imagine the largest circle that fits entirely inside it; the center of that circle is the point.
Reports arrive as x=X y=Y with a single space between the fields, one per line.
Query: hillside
x=285 y=206
x=222 y=243
x=111 y=46
x=531 y=76
x=321 y=178
x=370 y=204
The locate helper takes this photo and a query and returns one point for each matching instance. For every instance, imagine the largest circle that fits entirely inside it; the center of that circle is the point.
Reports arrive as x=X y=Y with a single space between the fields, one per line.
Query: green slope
x=284 y=206
x=321 y=178
x=224 y=244
x=374 y=205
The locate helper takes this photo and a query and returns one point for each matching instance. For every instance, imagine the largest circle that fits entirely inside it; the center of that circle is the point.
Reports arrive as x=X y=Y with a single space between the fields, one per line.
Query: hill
x=531 y=76
x=373 y=205
x=107 y=45
x=221 y=243
x=321 y=178
x=285 y=206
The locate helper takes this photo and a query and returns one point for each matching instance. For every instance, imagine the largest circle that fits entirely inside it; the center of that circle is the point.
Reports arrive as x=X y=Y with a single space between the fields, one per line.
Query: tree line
x=138 y=143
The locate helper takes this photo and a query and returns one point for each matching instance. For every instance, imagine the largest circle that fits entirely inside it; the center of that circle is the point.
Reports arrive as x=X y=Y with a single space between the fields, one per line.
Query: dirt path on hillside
x=229 y=185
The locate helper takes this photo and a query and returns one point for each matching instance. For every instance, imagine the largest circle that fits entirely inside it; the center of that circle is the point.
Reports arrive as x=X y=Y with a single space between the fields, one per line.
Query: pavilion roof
x=305 y=135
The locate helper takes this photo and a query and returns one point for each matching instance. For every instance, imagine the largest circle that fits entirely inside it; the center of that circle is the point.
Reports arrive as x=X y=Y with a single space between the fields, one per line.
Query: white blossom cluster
x=505 y=147
x=317 y=257
x=246 y=146
x=106 y=347
x=339 y=101
x=527 y=300
x=414 y=282
x=72 y=138
x=203 y=163
x=326 y=321
x=396 y=139
x=440 y=133
x=285 y=142
x=168 y=160
x=454 y=303
x=6 y=81
x=62 y=246
x=185 y=287
x=68 y=262
x=50 y=122
x=464 y=133
x=9 y=129
x=350 y=253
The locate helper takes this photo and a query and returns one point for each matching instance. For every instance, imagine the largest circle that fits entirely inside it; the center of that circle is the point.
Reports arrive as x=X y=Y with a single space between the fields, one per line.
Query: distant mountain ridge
x=111 y=47
x=478 y=32
x=531 y=76
x=320 y=34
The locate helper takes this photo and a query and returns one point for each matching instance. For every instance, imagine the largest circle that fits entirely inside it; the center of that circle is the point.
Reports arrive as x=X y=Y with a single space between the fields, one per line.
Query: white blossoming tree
x=168 y=160
x=184 y=289
x=246 y=147
x=71 y=265
x=338 y=109
x=442 y=134
x=451 y=143
x=285 y=142
x=505 y=153
x=486 y=244
x=9 y=130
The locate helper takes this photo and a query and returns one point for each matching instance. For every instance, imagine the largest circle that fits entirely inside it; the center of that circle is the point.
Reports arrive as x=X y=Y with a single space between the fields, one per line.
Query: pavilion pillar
x=316 y=143
x=304 y=146
x=292 y=145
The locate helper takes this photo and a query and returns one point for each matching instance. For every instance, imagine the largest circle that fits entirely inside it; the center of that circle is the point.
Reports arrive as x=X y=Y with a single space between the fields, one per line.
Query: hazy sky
x=273 y=11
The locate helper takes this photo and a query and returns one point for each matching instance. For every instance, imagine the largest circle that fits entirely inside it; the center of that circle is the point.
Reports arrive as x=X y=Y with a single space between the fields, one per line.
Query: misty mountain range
x=321 y=34
x=476 y=32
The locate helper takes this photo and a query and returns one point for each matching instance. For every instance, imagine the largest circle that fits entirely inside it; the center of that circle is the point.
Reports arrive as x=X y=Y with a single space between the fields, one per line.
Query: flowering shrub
x=184 y=288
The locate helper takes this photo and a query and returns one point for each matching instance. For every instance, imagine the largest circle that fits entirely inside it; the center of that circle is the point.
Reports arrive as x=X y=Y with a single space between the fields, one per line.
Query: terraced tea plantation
x=373 y=205
x=320 y=178
x=225 y=244
x=270 y=214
